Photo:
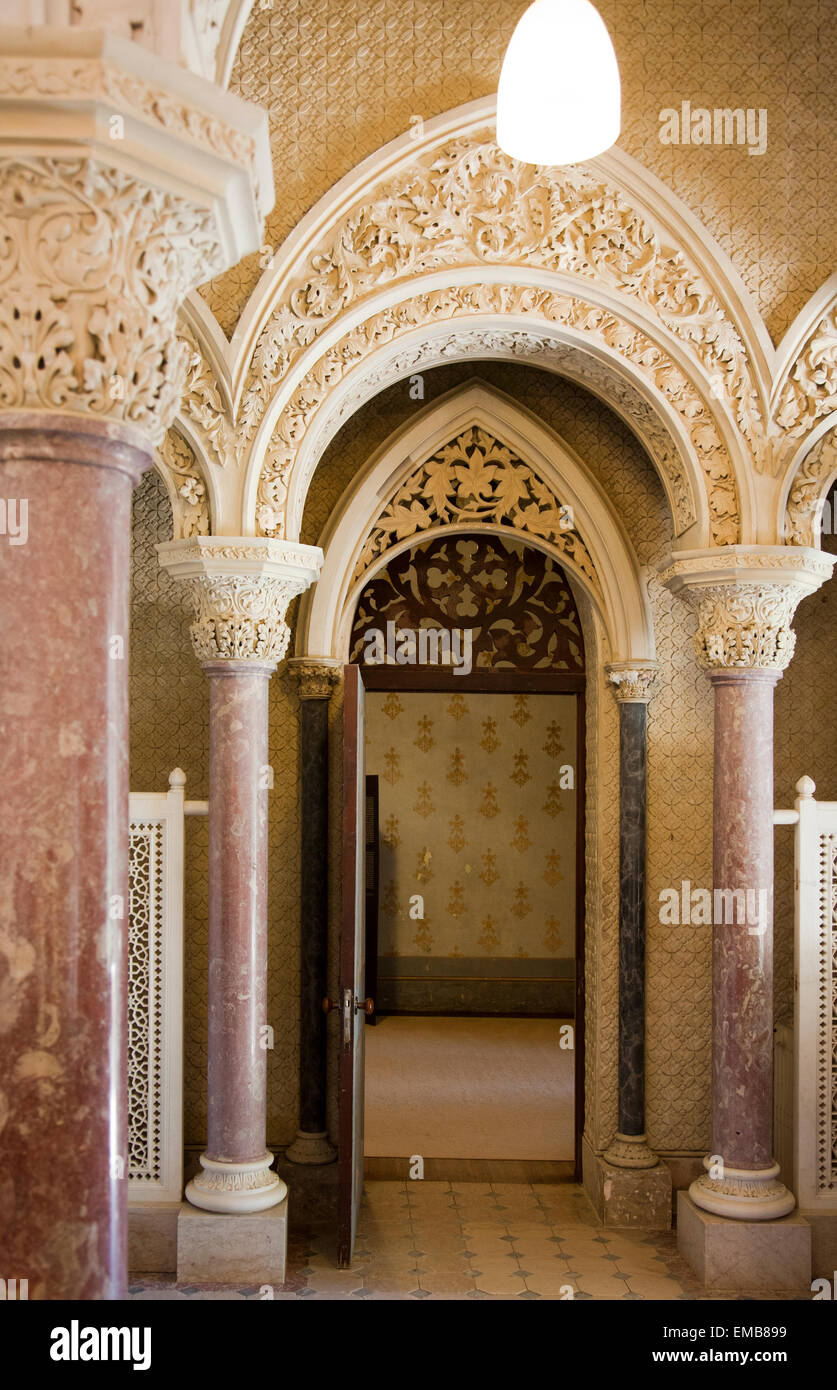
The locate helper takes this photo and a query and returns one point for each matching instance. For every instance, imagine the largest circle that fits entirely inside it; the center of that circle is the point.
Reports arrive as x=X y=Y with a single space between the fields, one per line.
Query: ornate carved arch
x=476 y=461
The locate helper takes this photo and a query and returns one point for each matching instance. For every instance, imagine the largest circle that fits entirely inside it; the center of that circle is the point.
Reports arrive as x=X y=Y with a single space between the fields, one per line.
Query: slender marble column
x=316 y=682
x=103 y=239
x=241 y=588
x=632 y=681
x=744 y=641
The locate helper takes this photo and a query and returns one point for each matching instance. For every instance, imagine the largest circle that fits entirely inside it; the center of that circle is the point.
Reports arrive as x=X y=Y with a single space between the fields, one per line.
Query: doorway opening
x=474 y=858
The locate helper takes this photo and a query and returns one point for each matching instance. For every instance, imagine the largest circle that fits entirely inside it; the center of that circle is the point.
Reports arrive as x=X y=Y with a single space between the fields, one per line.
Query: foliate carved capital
x=241 y=589
x=632 y=680
x=316 y=679
x=122 y=188
x=747 y=625
x=746 y=597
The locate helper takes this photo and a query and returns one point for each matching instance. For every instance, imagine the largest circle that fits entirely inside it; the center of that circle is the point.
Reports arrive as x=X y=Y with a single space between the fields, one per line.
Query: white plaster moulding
x=164 y=157
x=663 y=208
x=798 y=334
x=329 y=420
x=622 y=604
x=403 y=290
x=794 y=464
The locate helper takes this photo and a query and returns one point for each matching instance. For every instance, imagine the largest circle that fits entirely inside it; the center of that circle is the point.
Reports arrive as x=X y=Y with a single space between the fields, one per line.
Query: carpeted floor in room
x=473 y=1088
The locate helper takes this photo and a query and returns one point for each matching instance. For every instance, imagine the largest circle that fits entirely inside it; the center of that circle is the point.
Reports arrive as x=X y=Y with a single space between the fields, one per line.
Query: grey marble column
x=316 y=682
x=632 y=686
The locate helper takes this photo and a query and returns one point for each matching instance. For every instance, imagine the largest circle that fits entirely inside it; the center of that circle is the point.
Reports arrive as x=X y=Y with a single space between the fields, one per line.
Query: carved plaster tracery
x=427 y=309
x=469 y=204
x=476 y=479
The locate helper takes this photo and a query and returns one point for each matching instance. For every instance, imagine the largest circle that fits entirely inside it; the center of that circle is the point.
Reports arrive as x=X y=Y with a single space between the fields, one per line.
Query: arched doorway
x=475 y=758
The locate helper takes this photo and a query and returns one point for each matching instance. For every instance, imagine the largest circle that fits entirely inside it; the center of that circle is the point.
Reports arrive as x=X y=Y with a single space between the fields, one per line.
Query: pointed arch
x=599 y=562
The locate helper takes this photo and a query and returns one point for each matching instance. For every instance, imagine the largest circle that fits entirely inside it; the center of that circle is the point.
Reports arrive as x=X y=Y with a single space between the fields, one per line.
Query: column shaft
x=742 y=953
x=237 y=998
x=64 y=854
x=632 y=803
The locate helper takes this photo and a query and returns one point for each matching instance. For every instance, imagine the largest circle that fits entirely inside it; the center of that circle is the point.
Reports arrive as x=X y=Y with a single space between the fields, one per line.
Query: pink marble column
x=64 y=616
x=236 y=1163
x=746 y=597
x=241 y=587
x=742 y=953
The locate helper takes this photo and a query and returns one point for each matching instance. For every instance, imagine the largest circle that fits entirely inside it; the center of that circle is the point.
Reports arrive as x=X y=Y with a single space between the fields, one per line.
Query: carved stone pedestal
x=747 y=1256
x=628 y=1197
x=240 y=1249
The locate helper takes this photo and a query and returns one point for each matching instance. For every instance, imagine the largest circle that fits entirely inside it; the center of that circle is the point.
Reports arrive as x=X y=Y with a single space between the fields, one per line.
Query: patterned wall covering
x=475 y=819
x=515 y=601
x=339 y=78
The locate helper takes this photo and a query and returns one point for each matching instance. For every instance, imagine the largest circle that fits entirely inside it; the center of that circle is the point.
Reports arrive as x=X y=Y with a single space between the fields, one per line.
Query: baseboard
x=470 y=1170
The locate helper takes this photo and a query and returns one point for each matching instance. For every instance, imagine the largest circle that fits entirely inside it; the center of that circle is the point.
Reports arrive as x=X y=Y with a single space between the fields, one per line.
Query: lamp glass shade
x=559 y=99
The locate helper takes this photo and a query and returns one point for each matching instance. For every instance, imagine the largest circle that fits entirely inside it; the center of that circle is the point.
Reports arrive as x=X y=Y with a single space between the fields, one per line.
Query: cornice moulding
x=62 y=88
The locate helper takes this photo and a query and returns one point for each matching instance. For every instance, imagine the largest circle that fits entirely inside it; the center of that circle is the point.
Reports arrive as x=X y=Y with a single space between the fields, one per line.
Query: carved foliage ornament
x=442 y=305
x=747 y=625
x=190 y=508
x=316 y=680
x=93 y=267
x=811 y=388
x=477 y=479
x=242 y=618
x=632 y=684
x=470 y=204
x=803 y=514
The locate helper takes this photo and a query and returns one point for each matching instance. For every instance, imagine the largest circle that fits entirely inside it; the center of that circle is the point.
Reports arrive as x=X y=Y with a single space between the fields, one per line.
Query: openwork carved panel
x=515 y=600
x=145 y=998
x=478 y=480
x=826 y=1023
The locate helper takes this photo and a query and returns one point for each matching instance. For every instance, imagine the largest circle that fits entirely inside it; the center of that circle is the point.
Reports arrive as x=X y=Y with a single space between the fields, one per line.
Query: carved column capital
x=125 y=182
x=241 y=588
x=317 y=676
x=632 y=680
x=745 y=598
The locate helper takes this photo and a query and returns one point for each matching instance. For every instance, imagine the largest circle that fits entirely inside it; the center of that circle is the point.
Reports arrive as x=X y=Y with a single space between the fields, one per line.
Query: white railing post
x=815 y=895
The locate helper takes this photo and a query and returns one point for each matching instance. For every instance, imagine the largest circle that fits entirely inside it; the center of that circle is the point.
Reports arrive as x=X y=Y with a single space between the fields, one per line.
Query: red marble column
x=742 y=954
x=64 y=611
x=742 y=1179
x=236 y=1164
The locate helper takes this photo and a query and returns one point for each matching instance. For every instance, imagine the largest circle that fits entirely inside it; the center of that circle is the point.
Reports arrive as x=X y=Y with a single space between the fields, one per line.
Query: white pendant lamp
x=559 y=99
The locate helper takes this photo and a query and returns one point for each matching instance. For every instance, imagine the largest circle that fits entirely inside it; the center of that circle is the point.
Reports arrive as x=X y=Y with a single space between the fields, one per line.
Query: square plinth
x=745 y=1256
x=628 y=1198
x=214 y=1248
x=152 y=1238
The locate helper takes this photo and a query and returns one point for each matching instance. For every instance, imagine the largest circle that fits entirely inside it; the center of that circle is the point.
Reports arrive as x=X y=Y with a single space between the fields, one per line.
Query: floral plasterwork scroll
x=476 y=479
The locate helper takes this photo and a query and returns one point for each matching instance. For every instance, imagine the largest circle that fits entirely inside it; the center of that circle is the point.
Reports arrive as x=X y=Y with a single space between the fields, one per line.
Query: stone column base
x=636 y=1198
x=215 y=1248
x=311 y=1147
x=745 y=1256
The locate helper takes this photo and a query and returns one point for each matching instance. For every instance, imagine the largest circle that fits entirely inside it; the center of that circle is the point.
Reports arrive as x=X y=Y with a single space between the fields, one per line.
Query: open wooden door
x=352 y=1002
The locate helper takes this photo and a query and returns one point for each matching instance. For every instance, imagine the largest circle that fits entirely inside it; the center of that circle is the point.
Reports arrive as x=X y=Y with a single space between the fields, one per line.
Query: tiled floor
x=443 y=1240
